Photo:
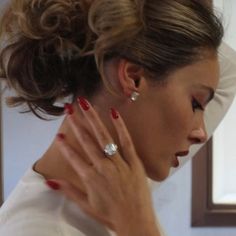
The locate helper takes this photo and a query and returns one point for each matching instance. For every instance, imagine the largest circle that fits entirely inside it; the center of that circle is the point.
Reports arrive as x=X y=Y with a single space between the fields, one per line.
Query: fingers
x=101 y=134
x=93 y=145
x=127 y=146
x=76 y=162
x=99 y=130
x=85 y=141
x=88 y=173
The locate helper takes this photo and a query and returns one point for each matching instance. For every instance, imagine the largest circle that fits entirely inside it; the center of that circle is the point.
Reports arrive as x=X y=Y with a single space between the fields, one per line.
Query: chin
x=158 y=175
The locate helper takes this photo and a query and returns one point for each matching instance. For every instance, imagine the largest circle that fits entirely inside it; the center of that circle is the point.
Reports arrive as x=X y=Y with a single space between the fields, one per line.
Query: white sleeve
x=223 y=99
x=31 y=226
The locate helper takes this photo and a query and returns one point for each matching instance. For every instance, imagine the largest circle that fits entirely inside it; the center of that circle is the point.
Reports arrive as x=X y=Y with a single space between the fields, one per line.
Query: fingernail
x=68 y=108
x=53 y=185
x=61 y=136
x=114 y=113
x=83 y=103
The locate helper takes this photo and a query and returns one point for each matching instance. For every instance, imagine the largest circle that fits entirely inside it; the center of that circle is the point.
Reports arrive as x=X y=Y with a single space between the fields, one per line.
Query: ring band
x=110 y=149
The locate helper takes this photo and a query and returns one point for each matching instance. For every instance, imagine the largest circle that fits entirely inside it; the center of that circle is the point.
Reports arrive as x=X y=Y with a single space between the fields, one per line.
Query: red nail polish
x=83 y=103
x=68 y=108
x=114 y=113
x=61 y=136
x=53 y=185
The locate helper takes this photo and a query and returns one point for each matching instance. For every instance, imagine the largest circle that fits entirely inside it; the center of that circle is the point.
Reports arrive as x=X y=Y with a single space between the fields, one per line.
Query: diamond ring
x=110 y=149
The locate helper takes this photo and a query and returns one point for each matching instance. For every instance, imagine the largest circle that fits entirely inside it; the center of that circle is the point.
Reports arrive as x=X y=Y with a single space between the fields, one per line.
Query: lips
x=182 y=153
x=175 y=162
x=179 y=154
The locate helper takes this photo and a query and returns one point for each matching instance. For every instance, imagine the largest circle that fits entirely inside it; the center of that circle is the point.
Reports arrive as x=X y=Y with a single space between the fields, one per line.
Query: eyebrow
x=210 y=91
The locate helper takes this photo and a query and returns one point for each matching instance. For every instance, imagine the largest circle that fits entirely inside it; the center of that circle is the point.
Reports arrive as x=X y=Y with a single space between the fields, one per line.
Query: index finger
x=125 y=139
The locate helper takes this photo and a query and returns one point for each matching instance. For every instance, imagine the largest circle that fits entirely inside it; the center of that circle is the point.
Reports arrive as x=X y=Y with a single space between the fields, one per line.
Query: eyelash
x=196 y=105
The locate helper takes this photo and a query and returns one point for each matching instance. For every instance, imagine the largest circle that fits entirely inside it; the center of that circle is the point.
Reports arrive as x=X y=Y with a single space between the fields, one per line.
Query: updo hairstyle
x=52 y=49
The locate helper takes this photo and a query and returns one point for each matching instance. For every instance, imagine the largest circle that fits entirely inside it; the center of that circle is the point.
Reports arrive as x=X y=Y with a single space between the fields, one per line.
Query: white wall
x=25 y=138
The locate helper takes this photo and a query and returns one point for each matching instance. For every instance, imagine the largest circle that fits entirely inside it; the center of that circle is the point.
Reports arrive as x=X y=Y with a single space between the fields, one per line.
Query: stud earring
x=134 y=96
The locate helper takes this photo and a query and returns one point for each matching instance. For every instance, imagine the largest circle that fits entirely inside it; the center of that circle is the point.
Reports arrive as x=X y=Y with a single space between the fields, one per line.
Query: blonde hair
x=55 y=48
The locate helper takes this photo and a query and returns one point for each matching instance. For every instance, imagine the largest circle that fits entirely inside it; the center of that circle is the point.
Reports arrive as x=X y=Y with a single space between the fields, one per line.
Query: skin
x=164 y=121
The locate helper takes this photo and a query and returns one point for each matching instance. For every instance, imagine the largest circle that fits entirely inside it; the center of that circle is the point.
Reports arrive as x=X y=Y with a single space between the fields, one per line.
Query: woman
x=153 y=62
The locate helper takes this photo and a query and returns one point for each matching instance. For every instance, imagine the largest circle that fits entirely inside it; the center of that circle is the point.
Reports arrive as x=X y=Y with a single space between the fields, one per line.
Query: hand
x=116 y=188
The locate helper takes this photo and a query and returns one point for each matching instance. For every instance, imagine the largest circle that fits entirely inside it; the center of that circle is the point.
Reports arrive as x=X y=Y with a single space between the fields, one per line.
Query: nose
x=198 y=135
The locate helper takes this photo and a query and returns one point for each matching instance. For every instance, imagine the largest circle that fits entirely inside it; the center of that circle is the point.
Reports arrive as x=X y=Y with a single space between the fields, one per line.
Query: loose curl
x=52 y=49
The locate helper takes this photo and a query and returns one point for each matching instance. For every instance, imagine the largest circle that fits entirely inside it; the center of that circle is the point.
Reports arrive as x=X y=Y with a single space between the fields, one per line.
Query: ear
x=130 y=76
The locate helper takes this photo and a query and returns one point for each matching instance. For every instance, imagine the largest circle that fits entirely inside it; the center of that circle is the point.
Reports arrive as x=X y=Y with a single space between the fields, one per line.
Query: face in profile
x=169 y=116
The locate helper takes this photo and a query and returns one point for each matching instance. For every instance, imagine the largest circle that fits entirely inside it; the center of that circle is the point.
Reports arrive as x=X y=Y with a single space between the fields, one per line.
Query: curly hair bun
x=43 y=40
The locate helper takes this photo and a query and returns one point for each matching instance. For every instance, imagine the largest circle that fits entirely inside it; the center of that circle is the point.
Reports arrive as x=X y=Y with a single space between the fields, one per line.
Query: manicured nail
x=53 y=185
x=61 y=136
x=83 y=103
x=68 y=108
x=114 y=113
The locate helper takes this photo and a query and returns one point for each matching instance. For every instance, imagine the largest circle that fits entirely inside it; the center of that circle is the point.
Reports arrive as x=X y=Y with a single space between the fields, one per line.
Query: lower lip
x=175 y=162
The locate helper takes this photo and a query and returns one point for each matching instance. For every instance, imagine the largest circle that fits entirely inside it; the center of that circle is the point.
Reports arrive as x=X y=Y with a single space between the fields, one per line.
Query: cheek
x=178 y=120
x=161 y=126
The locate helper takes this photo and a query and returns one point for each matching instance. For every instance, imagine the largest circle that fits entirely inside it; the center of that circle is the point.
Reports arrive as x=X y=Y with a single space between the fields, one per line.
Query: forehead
x=204 y=72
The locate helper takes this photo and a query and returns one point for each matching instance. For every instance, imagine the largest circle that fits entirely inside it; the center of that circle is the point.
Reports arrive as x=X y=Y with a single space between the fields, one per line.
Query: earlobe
x=129 y=75
x=134 y=96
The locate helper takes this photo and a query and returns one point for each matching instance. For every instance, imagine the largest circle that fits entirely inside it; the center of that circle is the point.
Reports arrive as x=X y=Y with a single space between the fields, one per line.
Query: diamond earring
x=134 y=96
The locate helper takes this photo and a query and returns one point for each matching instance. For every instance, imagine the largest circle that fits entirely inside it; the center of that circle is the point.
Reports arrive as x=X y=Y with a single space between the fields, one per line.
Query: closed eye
x=196 y=105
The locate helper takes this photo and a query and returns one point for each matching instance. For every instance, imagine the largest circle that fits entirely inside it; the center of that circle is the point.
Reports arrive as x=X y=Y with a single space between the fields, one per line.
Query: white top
x=35 y=210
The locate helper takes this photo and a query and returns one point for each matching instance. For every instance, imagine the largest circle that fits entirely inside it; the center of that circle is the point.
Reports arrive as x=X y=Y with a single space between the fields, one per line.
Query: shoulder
x=31 y=209
x=34 y=209
x=32 y=225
